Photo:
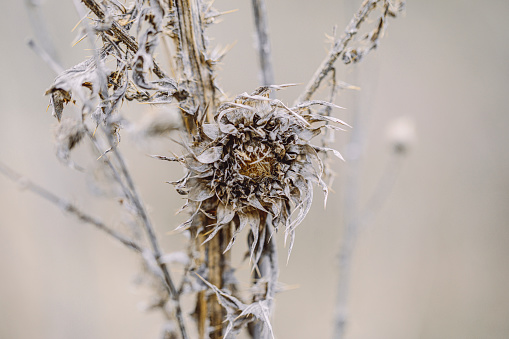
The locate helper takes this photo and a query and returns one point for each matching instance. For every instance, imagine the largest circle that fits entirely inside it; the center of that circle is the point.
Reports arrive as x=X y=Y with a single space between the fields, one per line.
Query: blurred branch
x=355 y=223
x=263 y=42
x=382 y=191
x=66 y=206
x=340 y=45
x=47 y=57
x=40 y=30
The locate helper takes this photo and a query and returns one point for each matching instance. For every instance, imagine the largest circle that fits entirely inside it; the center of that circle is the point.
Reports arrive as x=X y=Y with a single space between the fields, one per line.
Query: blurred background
x=430 y=261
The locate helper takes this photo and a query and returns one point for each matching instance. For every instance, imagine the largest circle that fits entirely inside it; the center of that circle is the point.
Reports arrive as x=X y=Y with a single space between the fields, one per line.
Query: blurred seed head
x=401 y=134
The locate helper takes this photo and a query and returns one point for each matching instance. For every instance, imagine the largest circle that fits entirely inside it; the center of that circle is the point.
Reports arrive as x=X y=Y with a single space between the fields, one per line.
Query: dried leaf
x=210 y=155
x=211 y=131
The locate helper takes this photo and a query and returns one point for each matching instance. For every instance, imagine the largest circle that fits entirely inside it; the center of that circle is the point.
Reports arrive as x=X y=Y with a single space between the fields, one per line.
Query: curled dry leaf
x=67 y=135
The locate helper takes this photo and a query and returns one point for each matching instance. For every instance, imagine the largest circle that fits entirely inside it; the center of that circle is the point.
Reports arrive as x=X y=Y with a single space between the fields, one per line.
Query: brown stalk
x=198 y=75
x=216 y=267
x=192 y=51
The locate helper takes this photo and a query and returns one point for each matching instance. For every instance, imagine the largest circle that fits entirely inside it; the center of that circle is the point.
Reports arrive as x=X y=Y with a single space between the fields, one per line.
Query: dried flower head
x=255 y=161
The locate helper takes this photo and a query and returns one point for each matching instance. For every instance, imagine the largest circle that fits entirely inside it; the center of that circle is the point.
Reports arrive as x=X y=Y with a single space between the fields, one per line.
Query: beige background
x=432 y=264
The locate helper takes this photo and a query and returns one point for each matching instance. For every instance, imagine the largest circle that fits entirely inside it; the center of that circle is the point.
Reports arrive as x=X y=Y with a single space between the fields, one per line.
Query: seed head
x=254 y=163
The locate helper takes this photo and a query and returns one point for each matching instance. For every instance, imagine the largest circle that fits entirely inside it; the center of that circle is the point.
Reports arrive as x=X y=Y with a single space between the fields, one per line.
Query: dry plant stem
x=263 y=42
x=40 y=30
x=356 y=219
x=201 y=298
x=347 y=244
x=356 y=222
x=339 y=47
x=192 y=47
x=274 y=265
x=215 y=310
x=120 y=33
x=68 y=207
x=130 y=191
x=382 y=191
x=199 y=77
x=269 y=270
x=351 y=189
x=207 y=305
x=149 y=229
x=52 y=63
x=268 y=265
x=131 y=194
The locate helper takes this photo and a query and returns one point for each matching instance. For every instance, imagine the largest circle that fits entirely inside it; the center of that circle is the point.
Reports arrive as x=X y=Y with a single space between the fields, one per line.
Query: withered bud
x=255 y=161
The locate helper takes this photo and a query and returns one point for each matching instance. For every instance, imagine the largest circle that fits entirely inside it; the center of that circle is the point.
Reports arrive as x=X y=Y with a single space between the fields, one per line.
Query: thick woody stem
x=209 y=313
x=199 y=77
x=216 y=267
x=192 y=47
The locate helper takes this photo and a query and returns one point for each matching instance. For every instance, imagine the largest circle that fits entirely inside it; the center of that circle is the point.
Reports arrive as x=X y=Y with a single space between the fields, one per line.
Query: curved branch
x=339 y=47
x=67 y=206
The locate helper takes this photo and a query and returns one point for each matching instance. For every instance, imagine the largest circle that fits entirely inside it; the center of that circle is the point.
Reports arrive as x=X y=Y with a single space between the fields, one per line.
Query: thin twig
x=339 y=47
x=381 y=192
x=356 y=224
x=149 y=229
x=48 y=58
x=274 y=266
x=131 y=194
x=67 y=206
x=263 y=42
x=40 y=30
x=328 y=137
x=130 y=191
x=102 y=155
